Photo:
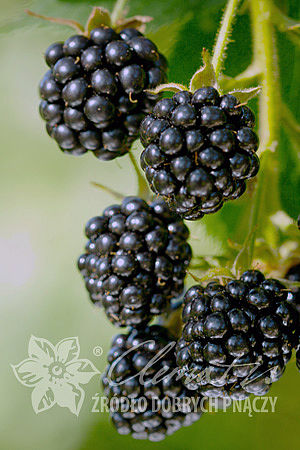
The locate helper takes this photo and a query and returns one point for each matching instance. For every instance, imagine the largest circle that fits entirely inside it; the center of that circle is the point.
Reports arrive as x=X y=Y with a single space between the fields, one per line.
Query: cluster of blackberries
x=136 y=260
x=93 y=96
x=142 y=366
x=199 y=150
x=237 y=338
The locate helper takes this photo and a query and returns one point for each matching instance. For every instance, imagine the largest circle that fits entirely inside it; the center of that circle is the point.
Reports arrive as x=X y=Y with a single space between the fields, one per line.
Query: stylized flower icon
x=55 y=374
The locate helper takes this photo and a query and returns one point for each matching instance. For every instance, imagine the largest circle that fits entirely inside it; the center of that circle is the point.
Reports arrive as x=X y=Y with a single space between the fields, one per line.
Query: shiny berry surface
x=240 y=335
x=136 y=258
x=128 y=356
x=97 y=86
x=205 y=149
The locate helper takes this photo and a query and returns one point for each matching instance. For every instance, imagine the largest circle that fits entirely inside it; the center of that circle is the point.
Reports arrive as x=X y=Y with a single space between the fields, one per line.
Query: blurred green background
x=46 y=198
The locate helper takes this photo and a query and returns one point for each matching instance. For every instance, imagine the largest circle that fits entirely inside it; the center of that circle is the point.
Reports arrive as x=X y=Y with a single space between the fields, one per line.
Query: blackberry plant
x=200 y=148
x=128 y=356
x=136 y=260
x=94 y=93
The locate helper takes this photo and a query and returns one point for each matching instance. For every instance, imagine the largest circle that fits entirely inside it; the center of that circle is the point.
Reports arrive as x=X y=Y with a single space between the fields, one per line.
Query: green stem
x=266 y=55
x=143 y=190
x=118 y=11
x=265 y=198
x=224 y=35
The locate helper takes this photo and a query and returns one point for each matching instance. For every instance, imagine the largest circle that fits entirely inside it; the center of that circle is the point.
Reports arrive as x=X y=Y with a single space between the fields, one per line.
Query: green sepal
x=68 y=22
x=98 y=17
x=205 y=76
x=244 y=95
x=168 y=87
x=137 y=22
x=217 y=272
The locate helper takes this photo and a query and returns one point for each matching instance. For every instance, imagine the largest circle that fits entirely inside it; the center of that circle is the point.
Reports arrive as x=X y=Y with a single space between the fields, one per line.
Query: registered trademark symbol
x=97 y=351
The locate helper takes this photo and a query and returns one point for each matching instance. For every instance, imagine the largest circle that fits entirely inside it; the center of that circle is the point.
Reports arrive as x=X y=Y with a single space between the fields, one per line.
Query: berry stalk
x=264 y=202
x=224 y=35
x=118 y=11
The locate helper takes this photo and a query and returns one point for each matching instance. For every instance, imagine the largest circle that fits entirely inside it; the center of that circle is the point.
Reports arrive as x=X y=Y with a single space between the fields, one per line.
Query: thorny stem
x=118 y=11
x=224 y=35
x=142 y=184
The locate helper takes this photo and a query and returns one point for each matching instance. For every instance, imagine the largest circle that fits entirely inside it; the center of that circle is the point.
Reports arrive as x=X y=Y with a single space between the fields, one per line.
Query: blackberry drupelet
x=199 y=150
x=237 y=338
x=124 y=380
x=136 y=260
x=293 y=274
x=93 y=95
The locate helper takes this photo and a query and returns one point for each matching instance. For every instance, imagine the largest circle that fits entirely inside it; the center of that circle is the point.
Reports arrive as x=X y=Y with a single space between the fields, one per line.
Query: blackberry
x=237 y=338
x=148 y=418
x=93 y=96
x=136 y=260
x=199 y=150
x=293 y=274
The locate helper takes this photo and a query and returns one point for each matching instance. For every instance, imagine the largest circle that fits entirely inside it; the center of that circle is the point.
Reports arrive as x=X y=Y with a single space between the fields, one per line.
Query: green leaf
x=205 y=76
x=167 y=35
x=98 y=17
x=291 y=125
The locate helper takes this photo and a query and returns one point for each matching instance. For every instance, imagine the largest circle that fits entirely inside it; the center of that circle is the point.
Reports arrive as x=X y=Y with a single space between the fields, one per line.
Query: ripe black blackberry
x=122 y=380
x=293 y=274
x=93 y=95
x=241 y=334
x=136 y=260
x=199 y=150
